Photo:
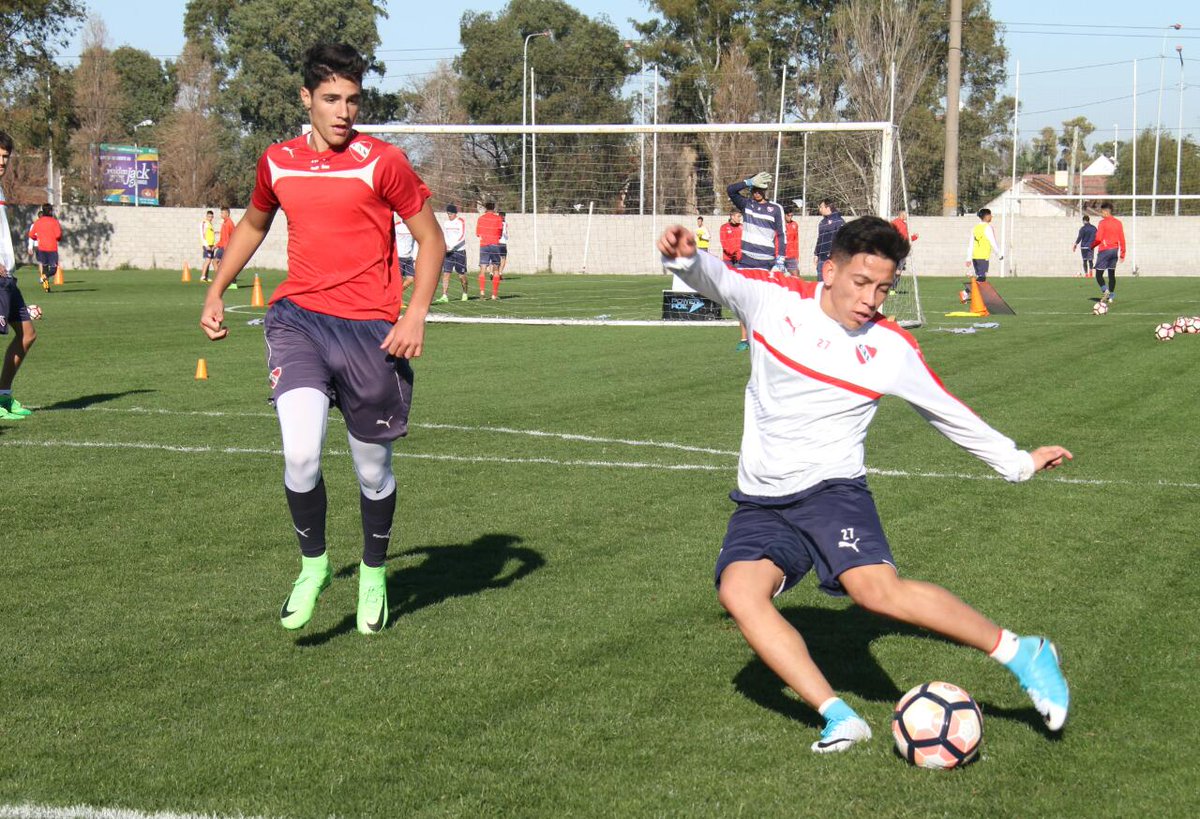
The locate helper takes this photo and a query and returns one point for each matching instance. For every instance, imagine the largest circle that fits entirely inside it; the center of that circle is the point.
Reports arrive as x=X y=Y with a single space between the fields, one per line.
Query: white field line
x=28 y=811
x=485 y=459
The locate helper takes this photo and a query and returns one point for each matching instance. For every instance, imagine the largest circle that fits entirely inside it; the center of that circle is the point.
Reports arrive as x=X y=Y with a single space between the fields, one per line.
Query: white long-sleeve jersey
x=406 y=245
x=815 y=386
x=455 y=232
x=7 y=259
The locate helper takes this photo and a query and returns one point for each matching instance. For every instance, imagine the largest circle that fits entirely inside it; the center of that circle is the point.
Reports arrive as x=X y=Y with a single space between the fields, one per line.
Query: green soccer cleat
x=464 y=297
x=315 y=577
x=5 y=415
x=372 y=598
x=13 y=407
x=232 y=286
x=443 y=300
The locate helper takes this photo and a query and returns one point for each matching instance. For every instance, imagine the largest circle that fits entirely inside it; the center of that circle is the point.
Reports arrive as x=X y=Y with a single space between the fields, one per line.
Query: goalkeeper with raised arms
x=764 y=238
x=821 y=358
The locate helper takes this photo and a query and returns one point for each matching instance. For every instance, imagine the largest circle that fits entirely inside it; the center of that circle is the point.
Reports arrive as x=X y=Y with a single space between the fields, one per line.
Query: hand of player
x=406 y=339
x=212 y=318
x=1049 y=457
x=677 y=242
x=914 y=237
x=762 y=179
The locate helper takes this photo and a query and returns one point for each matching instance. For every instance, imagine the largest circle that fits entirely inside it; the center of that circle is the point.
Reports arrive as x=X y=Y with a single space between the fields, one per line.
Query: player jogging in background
x=406 y=253
x=208 y=243
x=454 y=233
x=702 y=237
x=223 y=242
x=900 y=223
x=1108 y=242
x=791 y=259
x=503 y=243
x=1083 y=241
x=731 y=238
x=980 y=245
x=332 y=330
x=47 y=232
x=489 y=229
x=827 y=229
x=764 y=240
x=822 y=359
x=14 y=313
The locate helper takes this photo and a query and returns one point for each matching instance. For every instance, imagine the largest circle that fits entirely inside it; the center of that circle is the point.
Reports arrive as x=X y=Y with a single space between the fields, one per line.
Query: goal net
x=593 y=199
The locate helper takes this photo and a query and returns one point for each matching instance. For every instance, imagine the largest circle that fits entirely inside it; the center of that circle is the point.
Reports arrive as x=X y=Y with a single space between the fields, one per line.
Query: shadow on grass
x=85 y=401
x=492 y=561
x=840 y=643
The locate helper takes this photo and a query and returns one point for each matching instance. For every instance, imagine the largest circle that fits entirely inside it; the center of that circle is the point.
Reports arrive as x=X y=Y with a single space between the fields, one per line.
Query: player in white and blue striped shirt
x=764 y=240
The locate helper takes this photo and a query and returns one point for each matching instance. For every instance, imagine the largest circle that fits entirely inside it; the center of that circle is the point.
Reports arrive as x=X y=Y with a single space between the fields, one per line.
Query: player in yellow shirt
x=701 y=234
x=979 y=249
x=208 y=245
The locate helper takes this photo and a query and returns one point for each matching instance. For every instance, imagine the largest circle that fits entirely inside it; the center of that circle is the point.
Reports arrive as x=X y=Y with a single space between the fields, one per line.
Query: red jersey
x=339 y=204
x=901 y=227
x=48 y=231
x=1110 y=233
x=793 y=240
x=731 y=241
x=226 y=232
x=488 y=228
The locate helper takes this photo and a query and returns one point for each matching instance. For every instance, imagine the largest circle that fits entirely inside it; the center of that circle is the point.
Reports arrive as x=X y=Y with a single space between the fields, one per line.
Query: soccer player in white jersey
x=454 y=231
x=821 y=358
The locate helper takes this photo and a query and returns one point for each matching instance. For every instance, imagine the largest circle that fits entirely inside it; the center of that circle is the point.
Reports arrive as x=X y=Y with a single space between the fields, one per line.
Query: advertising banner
x=130 y=174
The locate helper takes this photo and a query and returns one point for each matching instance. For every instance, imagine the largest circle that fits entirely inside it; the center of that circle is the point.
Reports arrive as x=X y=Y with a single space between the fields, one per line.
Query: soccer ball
x=1100 y=309
x=1164 y=331
x=1191 y=324
x=937 y=725
x=963 y=296
x=1180 y=324
x=35 y=312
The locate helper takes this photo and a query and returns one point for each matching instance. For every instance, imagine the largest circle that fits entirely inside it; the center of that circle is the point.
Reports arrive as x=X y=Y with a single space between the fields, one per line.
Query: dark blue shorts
x=489 y=254
x=407 y=269
x=219 y=253
x=48 y=258
x=1086 y=252
x=208 y=252
x=12 y=304
x=455 y=262
x=981 y=268
x=1106 y=259
x=503 y=250
x=792 y=265
x=341 y=358
x=832 y=527
x=820 y=264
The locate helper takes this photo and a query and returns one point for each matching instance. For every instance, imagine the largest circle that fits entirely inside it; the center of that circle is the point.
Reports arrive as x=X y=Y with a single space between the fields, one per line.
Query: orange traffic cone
x=977 y=306
x=256 y=296
x=202 y=370
x=187 y=274
x=58 y=277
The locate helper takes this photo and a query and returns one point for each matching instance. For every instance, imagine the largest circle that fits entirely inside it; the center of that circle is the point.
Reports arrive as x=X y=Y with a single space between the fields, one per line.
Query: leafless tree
x=97 y=90
x=736 y=98
x=190 y=138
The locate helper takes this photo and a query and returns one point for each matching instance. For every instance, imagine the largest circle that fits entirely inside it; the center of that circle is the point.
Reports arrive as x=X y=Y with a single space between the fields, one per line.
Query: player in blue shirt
x=1083 y=241
x=827 y=229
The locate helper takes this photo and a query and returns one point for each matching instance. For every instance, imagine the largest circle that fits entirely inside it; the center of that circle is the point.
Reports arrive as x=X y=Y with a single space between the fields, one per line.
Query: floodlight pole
x=1162 y=67
x=1179 y=131
x=779 y=136
x=524 y=95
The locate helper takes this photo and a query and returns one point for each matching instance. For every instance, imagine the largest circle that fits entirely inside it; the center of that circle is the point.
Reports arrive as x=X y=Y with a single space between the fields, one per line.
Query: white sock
x=1006 y=647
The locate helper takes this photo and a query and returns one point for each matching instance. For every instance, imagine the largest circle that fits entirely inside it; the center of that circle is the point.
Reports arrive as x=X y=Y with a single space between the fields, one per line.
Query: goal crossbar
x=613 y=128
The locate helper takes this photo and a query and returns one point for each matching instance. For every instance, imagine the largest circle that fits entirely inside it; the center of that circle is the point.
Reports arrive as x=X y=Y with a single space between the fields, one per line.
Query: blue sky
x=1049 y=40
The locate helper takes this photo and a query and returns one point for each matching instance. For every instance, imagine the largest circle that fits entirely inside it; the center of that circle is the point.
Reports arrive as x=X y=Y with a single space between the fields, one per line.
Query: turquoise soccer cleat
x=841 y=735
x=1037 y=669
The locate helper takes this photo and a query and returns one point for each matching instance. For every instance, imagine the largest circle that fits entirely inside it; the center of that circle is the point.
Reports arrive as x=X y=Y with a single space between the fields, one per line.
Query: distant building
x=1092 y=182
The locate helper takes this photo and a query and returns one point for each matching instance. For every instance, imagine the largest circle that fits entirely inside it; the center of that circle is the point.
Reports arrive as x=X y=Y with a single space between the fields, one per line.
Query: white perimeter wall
x=106 y=237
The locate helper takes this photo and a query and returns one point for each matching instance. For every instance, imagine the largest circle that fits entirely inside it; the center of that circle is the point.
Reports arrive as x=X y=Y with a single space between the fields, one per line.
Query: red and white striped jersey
x=815 y=386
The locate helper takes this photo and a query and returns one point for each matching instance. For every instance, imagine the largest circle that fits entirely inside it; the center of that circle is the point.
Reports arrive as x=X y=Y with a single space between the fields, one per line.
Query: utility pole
x=953 y=84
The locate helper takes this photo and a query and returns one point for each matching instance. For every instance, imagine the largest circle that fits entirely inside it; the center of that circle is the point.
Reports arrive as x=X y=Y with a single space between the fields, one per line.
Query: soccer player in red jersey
x=333 y=330
x=223 y=242
x=47 y=231
x=1110 y=239
x=488 y=229
x=791 y=258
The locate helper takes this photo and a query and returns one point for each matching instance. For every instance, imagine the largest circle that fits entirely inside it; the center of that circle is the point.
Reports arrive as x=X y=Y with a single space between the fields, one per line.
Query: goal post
x=600 y=195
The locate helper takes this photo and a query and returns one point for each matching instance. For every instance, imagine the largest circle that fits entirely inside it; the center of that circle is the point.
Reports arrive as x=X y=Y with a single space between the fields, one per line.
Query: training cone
x=202 y=370
x=977 y=306
x=58 y=277
x=187 y=273
x=256 y=297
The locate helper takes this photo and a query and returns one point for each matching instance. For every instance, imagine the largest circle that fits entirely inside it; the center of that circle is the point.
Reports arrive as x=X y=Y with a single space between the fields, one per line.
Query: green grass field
x=556 y=648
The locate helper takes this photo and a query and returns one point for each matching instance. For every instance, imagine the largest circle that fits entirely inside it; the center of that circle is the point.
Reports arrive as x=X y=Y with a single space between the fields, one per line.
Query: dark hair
x=489 y=205
x=324 y=61
x=789 y=209
x=827 y=203
x=208 y=213
x=1106 y=206
x=982 y=212
x=6 y=143
x=452 y=208
x=869 y=234
x=1087 y=218
x=503 y=215
x=699 y=218
x=47 y=209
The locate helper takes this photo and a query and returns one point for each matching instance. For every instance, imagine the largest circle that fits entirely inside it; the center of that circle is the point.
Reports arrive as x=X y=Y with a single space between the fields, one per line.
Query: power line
x=1081 y=67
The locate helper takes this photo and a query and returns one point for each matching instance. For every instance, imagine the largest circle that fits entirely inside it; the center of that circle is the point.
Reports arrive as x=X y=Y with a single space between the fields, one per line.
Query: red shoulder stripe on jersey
x=797 y=285
x=811 y=373
x=912 y=342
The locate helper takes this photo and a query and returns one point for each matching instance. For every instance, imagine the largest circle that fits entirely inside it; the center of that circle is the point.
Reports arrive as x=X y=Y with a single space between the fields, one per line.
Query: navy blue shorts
x=1106 y=259
x=981 y=268
x=489 y=255
x=791 y=265
x=455 y=262
x=341 y=358
x=12 y=304
x=503 y=249
x=208 y=252
x=832 y=526
x=1086 y=253
x=48 y=258
x=407 y=269
x=820 y=264
x=219 y=253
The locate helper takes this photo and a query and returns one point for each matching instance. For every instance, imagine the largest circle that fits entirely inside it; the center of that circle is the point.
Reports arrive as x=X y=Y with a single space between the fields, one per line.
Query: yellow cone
x=256 y=297
x=187 y=273
x=202 y=370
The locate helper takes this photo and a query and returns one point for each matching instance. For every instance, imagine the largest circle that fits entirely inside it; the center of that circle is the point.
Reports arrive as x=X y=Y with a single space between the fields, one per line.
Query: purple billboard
x=130 y=174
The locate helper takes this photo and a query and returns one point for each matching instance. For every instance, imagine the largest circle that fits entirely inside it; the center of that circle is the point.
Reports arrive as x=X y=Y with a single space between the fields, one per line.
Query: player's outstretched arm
x=1050 y=457
x=246 y=238
x=677 y=242
x=406 y=339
